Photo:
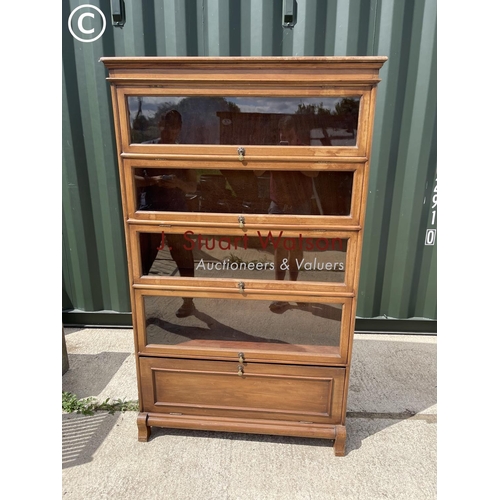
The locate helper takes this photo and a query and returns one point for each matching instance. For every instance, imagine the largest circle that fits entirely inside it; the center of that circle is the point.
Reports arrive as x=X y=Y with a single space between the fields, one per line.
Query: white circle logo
x=84 y=24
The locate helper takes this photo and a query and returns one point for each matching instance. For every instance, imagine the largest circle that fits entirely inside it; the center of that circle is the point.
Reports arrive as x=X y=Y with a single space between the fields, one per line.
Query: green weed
x=88 y=406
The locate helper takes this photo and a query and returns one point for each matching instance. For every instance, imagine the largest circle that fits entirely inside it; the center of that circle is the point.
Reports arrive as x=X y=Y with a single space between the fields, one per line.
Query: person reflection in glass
x=165 y=190
x=290 y=193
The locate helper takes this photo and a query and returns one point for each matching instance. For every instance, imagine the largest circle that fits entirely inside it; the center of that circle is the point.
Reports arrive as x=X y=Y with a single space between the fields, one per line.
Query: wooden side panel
x=268 y=391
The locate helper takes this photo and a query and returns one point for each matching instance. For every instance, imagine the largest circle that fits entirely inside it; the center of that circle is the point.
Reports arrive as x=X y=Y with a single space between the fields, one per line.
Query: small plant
x=88 y=406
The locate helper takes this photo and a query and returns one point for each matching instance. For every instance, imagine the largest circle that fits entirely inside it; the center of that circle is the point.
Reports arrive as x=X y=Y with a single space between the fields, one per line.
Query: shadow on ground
x=89 y=374
x=82 y=435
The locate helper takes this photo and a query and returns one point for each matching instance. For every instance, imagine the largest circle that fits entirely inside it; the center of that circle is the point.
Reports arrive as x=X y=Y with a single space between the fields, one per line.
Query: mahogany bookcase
x=244 y=183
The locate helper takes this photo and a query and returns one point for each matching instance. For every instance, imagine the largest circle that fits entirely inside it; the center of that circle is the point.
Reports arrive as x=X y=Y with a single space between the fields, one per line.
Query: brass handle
x=241 y=357
x=241 y=153
x=240 y=371
x=241 y=221
x=241 y=286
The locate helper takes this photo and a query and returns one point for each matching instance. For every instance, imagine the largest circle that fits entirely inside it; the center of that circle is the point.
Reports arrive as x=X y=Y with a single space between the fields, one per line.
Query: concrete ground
x=390 y=448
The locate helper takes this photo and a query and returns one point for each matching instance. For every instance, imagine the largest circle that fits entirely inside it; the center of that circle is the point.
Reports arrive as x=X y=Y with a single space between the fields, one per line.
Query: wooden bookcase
x=244 y=185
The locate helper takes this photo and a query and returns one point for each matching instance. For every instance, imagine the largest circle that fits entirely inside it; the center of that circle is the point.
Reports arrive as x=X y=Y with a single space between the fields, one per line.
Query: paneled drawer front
x=216 y=388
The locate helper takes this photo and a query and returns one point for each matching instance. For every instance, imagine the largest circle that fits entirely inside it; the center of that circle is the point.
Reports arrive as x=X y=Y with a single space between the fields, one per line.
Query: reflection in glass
x=320 y=121
x=166 y=189
x=243 y=191
x=191 y=254
x=242 y=321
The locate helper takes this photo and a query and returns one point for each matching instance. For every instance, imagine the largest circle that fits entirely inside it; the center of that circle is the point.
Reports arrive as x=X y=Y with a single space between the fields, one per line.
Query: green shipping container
x=397 y=290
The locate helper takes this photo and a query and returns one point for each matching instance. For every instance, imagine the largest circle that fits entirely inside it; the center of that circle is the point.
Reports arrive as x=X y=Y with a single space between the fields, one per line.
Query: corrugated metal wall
x=398 y=278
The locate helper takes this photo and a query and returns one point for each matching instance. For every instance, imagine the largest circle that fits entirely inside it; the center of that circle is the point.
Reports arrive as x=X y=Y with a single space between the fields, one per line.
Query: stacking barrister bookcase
x=244 y=183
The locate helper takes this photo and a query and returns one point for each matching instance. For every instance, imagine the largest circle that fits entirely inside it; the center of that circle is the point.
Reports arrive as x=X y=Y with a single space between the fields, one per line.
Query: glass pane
x=244 y=191
x=294 y=121
x=270 y=255
x=206 y=319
